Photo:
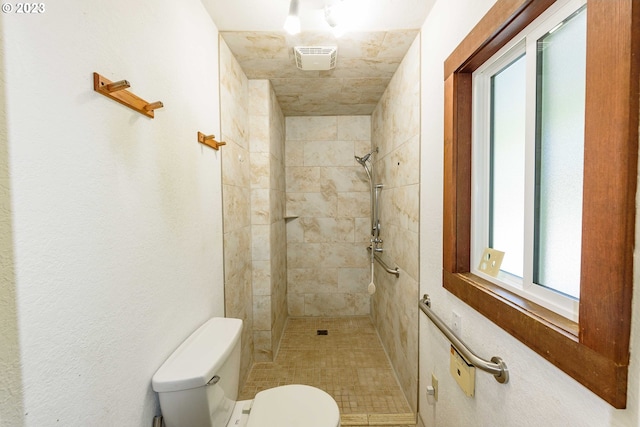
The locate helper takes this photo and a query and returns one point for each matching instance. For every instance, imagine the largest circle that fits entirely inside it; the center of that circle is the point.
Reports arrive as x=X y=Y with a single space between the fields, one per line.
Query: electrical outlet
x=456 y=323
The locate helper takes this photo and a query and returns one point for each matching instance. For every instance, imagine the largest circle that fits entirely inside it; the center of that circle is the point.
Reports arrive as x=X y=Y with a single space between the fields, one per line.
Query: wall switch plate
x=434 y=384
x=463 y=372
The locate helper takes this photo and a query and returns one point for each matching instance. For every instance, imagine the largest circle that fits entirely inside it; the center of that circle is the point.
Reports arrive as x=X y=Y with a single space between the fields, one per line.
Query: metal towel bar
x=496 y=366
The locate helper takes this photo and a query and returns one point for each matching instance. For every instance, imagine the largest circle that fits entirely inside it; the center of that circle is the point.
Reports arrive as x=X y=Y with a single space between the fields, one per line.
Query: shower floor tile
x=349 y=363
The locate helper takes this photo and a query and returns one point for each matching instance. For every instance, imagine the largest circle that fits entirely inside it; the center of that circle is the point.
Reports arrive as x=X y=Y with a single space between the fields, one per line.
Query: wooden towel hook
x=117 y=91
x=210 y=140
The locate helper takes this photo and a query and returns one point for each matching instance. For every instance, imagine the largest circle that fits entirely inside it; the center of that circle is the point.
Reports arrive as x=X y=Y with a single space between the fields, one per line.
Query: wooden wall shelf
x=117 y=91
x=210 y=141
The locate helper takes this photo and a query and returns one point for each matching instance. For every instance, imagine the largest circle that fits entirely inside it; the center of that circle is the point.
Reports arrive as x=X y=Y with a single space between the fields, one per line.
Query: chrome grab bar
x=496 y=366
x=384 y=265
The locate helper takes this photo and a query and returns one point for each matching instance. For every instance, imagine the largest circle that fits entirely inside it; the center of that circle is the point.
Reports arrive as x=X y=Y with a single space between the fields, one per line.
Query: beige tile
x=296 y=304
x=328 y=153
x=260 y=170
x=328 y=230
x=354 y=204
x=260 y=206
x=261 y=277
x=262 y=313
x=312 y=128
x=354 y=128
x=349 y=363
x=354 y=280
x=363 y=230
x=345 y=179
x=260 y=238
x=295 y=232
x=332 y=304
x=303 y=179
x=236 y=202
x=312 y=204
x=310 y=280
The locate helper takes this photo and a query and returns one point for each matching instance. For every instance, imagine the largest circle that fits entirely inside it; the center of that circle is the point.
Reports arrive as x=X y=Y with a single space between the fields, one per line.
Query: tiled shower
x=296 y=215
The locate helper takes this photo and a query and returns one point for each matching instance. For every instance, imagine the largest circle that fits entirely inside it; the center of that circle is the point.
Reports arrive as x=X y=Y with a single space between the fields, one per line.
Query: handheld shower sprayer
x=362 y=160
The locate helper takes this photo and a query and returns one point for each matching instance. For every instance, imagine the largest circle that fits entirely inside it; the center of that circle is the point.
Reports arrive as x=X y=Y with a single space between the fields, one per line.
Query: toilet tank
x=198 y=384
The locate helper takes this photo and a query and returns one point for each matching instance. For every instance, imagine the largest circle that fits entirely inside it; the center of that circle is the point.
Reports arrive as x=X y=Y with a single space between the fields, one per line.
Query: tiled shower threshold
x=348 y=362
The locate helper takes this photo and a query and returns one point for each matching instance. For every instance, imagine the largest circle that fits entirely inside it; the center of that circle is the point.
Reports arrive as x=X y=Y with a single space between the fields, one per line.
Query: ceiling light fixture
x=292 y=23
x=334 y=15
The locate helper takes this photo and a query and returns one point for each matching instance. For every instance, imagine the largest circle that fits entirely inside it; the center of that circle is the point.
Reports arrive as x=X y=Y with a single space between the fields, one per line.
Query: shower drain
x=322 y=332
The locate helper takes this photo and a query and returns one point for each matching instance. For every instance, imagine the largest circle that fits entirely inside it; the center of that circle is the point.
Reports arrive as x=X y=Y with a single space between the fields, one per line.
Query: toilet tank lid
x=198 y=358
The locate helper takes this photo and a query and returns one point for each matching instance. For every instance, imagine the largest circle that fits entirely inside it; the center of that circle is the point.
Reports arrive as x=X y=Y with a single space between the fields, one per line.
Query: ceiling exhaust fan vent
x=316 y=58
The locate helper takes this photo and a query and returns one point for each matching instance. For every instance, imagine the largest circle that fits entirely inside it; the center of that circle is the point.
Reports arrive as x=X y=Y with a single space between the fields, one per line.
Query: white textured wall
x=538 y=394
x=116 y=218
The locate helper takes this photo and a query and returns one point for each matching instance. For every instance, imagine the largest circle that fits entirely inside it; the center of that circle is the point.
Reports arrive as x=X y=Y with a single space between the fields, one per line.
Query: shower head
x=362 y=159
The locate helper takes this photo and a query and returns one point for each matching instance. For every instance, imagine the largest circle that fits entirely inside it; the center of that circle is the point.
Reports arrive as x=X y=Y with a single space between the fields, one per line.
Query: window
x=595 y=349
x=528 y=144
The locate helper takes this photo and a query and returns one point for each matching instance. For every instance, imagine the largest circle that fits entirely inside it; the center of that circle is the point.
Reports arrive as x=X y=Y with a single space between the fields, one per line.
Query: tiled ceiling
x=366 y=62
x=379 y=33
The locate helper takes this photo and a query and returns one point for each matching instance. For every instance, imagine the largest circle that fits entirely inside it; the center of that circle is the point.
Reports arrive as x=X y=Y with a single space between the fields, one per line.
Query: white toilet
x=198 y=387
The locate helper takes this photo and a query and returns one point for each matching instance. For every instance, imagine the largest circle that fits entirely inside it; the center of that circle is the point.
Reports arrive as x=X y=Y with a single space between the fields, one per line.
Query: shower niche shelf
x=117 y=91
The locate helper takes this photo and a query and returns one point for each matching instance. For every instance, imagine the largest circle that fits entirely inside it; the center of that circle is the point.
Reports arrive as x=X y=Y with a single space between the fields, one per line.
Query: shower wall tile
x=329 y=193
x=303 y=179
x=259 y=131
x=328 y=153
x=353 y=128
x=261 y=277
x=236 y=199
x=354 y=280
x=235 y=164
x=278 y=205
x=262 y=313
x=354 y=204
x=396 y=133
x=260 y=206
x=295 y=232
x=262 y=346
x=237 y=202
x=294 y=153
x=321 y=128
x=260 y=242
x=321 y=204
x=260 y=100
x=311 y=280
x=268 y=248
x=344 y=179
x=329 y=305
x=363 y=230
x=362 y=304
x=341 y=255
x=260 y=170
x=295 y=303
x=323 y=230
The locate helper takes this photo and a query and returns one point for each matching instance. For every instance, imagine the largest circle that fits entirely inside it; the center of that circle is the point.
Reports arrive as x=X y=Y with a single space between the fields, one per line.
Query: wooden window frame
x=595 y=351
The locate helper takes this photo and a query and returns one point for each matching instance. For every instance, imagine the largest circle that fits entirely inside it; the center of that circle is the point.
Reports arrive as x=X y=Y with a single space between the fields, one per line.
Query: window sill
x=550 y=335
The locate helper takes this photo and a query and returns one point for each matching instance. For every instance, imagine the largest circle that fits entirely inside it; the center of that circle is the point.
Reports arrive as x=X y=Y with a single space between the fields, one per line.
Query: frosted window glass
x=506 y=228
x=559 y=155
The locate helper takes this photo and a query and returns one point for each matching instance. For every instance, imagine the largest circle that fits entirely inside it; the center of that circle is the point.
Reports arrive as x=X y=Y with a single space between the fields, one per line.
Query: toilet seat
x=294 y=406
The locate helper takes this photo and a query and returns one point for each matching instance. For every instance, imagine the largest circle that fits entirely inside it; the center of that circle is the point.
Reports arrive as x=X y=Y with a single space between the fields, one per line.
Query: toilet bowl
x=198 y=387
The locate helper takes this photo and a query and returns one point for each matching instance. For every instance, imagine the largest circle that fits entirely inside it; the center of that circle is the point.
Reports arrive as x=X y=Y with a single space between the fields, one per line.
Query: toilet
x=198 y=387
